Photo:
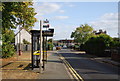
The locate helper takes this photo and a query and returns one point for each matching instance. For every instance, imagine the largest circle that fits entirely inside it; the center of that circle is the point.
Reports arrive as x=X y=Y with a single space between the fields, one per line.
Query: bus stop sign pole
x=41 y=55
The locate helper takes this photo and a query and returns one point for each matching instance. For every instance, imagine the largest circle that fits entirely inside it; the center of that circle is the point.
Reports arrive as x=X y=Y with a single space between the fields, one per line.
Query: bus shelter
x=35 y=36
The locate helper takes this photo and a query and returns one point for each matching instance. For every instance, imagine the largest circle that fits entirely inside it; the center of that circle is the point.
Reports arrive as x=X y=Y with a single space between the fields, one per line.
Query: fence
x=24 y=47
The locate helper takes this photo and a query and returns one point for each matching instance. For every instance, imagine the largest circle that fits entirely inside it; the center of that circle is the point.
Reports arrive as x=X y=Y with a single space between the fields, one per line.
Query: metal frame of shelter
x=35 y=36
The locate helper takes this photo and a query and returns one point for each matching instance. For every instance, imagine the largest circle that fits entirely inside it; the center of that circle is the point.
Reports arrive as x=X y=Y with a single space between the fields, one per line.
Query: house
x=67 y=42
x=20 y=37
x=99 y=32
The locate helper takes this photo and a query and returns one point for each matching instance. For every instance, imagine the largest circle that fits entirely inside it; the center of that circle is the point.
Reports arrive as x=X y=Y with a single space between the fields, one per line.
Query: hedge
x=97 y=44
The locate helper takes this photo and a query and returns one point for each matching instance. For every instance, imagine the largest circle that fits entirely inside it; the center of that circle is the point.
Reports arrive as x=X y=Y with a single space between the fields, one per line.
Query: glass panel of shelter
x=36 y=46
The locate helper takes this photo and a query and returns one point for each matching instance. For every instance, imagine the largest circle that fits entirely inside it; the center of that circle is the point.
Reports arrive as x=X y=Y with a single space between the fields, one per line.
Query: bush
x=115 y=44
x=8 y=50
x=97 y=44
x=82 y=47
x=7 y=46
x=50 y=46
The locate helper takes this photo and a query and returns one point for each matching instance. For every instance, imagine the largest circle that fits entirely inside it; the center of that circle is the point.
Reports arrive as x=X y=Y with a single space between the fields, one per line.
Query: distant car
x=64 y=47
x=54 y=48
x=58 y=47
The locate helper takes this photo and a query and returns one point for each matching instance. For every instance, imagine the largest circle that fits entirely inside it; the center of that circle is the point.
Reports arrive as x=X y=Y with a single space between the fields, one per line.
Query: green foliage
x=115 y=43
x=8 y=47
x=82 y=33
x=50 y=40
x=15 y=14
x=25 y=41
x=25 y=15
x=97 y=44
x=50 y=46
x=106 y=38
x=8 y=20
x=0 y=6
x=8 y=50
x=18 y=13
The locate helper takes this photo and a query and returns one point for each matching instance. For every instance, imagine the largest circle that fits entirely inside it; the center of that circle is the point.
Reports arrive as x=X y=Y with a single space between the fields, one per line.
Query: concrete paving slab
x=55 y=69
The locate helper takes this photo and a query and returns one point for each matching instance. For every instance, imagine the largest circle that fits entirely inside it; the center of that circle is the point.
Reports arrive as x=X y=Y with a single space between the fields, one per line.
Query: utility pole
x=41 y=55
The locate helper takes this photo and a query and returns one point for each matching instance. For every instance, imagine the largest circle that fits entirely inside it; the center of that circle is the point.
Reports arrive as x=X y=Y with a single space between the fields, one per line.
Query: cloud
x=110 y=16
x=61 y=17
x=71 y=5
x=61 y=11
x=63 y=31
x=46 y=8
x=108 y=22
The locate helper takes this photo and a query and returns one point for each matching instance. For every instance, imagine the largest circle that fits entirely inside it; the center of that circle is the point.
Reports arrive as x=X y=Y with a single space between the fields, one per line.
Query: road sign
x=46 y=26
x=46 y=21
x=48 y=33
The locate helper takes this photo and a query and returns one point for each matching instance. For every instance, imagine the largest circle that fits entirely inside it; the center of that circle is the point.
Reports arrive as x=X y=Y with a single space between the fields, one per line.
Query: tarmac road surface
x=88 y=69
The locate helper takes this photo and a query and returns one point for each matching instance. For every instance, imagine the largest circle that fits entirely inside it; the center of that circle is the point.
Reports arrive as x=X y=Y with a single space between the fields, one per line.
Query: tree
x=15 y=14
x=25 y=41
x=18 y=13
x=8 y=19
x=50 y=44
x=24 y=14
x=82 y=33
x=50 y=40
x=7 y=33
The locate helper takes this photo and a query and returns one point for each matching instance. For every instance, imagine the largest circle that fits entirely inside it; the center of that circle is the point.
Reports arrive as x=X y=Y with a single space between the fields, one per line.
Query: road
x=90 y=70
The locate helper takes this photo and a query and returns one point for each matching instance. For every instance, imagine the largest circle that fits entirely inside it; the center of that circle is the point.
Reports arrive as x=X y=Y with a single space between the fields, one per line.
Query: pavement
x=55 y=68
x=19 y=68
x=106 y=60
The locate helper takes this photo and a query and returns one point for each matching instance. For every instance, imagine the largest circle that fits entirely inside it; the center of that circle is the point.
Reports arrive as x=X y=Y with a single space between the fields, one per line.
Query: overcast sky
x=66 y=16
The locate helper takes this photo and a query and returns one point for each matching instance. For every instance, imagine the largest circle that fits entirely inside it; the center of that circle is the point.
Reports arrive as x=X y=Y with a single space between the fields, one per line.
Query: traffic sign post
x=41 y=54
